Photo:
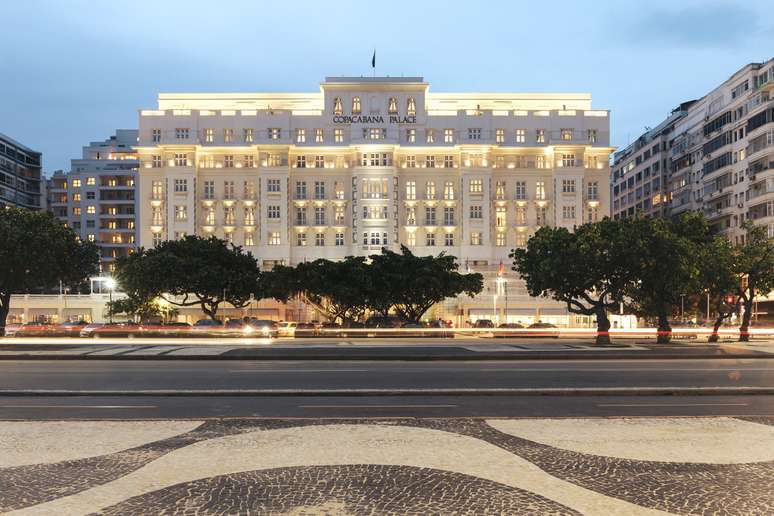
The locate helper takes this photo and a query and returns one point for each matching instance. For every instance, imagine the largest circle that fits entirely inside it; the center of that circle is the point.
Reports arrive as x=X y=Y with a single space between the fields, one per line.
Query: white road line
x=298 y=370
x=81 y=406
x=375 y=406
x=625 y=369
x=672 y=404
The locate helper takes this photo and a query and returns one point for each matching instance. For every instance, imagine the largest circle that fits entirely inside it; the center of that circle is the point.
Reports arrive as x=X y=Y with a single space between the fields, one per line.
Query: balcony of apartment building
x=110 y=238
x=117 y=183
x=119 y=196
x=123 y=212
x=719 y=207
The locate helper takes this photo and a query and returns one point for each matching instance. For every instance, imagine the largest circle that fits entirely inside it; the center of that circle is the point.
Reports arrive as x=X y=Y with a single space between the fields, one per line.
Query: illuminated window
x=521 y=135
x=500 y=216
x=76 y=183
x=540 y=190
x=521 y=215
x=499 y=135
x=209 y=216
x=76 y=212
x=91 y=237
x=301 y=239
x=592 y=135
x=338 y=135
x=91 y=210
x=300 y=135
x=157 y=217
x=181 y=212
x=566 y=134
x=540 y=135
x=249 y=238
x=448 y=190
x=179 y=235
x=448 y=135
x=275 y=160
x=249 y=216
x=318 y=136
x=392 y=106
x=411 y=190
x=430 y=190
x=76 y=197
x=476 y=185
x=181 y=185
x=181 y=160
x=249 y=161
x=249 y=188
x=337 y=107
x=274 y=238
x=411 y=135
x=229 y=216
x=228 y=135
x=355 y=105
x=274 y=133
x=209 y=135
x=411 y=107
x=338 y=214
x=500 y=190
x=411 y=216
x=91 y=181
x=338 y=190
x=430 y=135
x=500 y=239
x=540 y=162
x=475 y=238
x=521 y=239
x=247 y=135
x=411 y=239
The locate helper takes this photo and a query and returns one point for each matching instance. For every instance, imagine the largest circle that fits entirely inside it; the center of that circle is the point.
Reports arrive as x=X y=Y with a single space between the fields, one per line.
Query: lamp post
x=110 y=283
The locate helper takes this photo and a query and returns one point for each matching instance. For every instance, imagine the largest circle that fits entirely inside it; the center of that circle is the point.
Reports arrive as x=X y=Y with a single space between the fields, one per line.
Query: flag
x=373 y=60
x=501 y=269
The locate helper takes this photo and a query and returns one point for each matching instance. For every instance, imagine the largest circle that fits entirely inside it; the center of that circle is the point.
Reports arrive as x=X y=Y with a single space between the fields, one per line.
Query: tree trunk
x=603 y=327
x=715 y=337
x=664 y=335
x=5 y=307
x=744 y=329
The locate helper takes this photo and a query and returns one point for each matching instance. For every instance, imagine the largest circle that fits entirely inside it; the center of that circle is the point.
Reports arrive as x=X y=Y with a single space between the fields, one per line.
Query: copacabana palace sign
x=374 y=119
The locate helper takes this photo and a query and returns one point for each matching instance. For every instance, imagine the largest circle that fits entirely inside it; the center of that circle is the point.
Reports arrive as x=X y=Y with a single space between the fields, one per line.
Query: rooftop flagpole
x=373 y=62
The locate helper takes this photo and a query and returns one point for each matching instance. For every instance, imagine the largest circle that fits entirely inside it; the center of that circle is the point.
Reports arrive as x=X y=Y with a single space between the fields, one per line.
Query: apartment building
x=97 y=196
x=20 y=175
x=367 y=163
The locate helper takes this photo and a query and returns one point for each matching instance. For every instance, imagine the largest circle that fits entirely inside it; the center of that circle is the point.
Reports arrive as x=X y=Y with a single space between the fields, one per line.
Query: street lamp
x=110 y=283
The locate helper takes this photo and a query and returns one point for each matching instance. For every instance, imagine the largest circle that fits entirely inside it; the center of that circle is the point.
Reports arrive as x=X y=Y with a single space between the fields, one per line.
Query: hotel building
x=20 y=179
x=97 y=197
x=367 y=163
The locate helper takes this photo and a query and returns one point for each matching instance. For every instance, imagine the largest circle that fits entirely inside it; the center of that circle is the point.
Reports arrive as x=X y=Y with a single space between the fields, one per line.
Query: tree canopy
x=191 y=271
x=754 y=264
x=38 y=251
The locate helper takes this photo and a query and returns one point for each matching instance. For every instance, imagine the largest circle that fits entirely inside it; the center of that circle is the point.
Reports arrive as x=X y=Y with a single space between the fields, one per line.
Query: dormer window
x=337 y=107
x=411 y=107
x=355 y=105
x=392 y=107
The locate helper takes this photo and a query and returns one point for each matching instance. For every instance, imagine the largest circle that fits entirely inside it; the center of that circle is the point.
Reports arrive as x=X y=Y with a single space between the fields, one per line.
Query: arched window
x=355 y=105
x=411 y=107
x=392 y=107
x=337 y=108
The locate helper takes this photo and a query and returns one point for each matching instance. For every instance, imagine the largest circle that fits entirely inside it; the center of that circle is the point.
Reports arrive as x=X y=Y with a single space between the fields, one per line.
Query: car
x=262 y=328
x=509 y=330
x=548 y=330
x=126 y=329
x=412 y=329
x=11 y=329
x=70 y=328
x=207 y=328
x=168 y=329
x=35 y=329
x=382 y=325
x=483 y=323
x=286 y=328
x=305 y=329
x=87 y=330
x=437 y=327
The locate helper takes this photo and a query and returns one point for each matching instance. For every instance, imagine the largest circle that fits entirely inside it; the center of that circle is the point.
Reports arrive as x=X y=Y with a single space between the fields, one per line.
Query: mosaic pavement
x=398 y=466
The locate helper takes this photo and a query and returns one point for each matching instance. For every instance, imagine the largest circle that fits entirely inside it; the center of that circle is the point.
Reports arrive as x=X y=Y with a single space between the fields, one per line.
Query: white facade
x=372 y=162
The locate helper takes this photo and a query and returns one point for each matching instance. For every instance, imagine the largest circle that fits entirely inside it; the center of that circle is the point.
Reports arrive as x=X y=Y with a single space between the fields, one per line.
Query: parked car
x=412 y=329
x=117 y=329
x=87 y=330
x=503 y=330
x=263 y=328
x=11 y=329
x=35 y=329
x=169 y=329
x=207 y=328
x=286 y=328
x=382 y=324
x=483 y=323
x=70 y=328
x=305 y=329
x=549 y=330
x=437 y=326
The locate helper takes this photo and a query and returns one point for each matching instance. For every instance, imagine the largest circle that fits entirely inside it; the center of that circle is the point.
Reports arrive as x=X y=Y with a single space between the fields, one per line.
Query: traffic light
x=729 y=299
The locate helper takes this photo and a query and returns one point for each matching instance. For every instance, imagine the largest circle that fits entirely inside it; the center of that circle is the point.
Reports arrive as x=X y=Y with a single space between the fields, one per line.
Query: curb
x=579 y=391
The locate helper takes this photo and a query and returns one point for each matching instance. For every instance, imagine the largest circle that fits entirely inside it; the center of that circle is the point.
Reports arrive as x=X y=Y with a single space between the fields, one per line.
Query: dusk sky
x=74 y=71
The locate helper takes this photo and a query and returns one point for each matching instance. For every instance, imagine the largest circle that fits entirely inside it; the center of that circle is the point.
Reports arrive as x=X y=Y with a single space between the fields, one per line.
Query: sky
x=73 y=71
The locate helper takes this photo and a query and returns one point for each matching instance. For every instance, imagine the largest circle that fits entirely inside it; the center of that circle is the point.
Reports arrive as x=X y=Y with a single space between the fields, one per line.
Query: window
x=319 y=239
x=521 y=135
x=272 y=212
x=568 y=212
x=500 y=135
x=337 y=106
x=430 y=190
x=475 y=211
x=430 y=135
x=339 y=239
x=568 y=160
x=430 y=239
x=300 y=135
x=319 y=216
x=319 y=136
x=228 y=135
x=411 y=161
x=274 y=133
x=273 y=185
x=392 y=106
x=449 y=239
x=155 y=163
x=474 y=133
x=179 y=235
x=247 y=136
x=411 y=135
x=249 y=189
x=181 y=185
x=157 y=190
x=566 y=134
x=448 y=190
x=181 y=212
x=300 y=189
x=76 y=183
x=476 y=185
x=76 y=212
x=77 y=197
x=338 y=190
x=430 y=216
x=90 y=237
x=448 y=216
x=501 y=216
x=375 y=212
x=157 y=218
x=209 y=216
x=568 y=186
x=448 y=135
x=375 y=188
x=500 y=190
x=592 y=135
x=300 y=161
x=156 y=239
x=411 y=190
x=475 y=238
x=411 y=216
x=521 y=239
x=249 y=161
x=209 y=135
x=592 y=215
x=274 y=238
x=338 y=214
x=91 y=210
x=429 y=161
x=182 y=133
x=249 y=238
x=592 y=190
x=375 y=133
x=338 y=135
x=319 y=189
x=500 y=239
x=411 y=107
x=156 y=135
x=229 y=216
x=181 y=160
x=355 y=105
x=540 y=161
x=521 y=190
x=228 y=161
x=91 y=181
x=540 y=135
x=411 y=239
x=300 y=216
x=228 y=190
x=521 y=215
x=540 y=190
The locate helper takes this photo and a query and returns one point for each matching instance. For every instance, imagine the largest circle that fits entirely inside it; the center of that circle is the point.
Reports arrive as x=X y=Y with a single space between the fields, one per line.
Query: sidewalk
x=375 y=349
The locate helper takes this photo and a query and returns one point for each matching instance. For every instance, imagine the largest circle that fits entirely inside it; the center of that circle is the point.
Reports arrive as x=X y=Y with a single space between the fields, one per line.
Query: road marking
x=298 y=370
x=376 y=406
x=623 y=369
x=81 y=406
x=672 y=404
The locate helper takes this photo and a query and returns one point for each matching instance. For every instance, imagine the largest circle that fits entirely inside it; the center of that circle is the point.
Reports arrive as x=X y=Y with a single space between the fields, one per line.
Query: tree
x=142 y=309
x=717 y=276
x=191 y=271
x=588 y=269
x=336 y=289
x=667 y=265
x=39 y=251
x=755 y=265
x=412 y=284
